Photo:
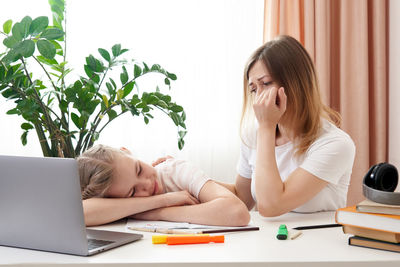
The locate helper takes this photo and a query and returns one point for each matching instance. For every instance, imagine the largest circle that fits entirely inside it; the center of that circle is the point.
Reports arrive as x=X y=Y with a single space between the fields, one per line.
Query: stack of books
x=373 y=225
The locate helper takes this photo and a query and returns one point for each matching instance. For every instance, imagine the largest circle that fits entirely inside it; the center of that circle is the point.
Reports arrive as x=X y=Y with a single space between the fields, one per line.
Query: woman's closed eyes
x=253 y=89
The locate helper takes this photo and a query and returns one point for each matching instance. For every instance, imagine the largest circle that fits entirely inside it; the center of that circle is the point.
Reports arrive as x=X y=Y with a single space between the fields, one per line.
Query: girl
x=115 y=185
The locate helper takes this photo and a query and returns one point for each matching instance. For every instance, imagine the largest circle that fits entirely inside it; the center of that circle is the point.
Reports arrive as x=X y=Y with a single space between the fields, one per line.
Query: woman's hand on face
x=180 y=198
x=160 y=160
x=269 y=106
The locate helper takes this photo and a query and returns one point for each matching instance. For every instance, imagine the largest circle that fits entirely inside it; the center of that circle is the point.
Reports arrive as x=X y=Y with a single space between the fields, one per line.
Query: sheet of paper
x=173 y=225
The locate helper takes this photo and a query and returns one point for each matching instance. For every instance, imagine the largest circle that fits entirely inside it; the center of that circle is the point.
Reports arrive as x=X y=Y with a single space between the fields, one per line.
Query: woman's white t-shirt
x=330 y=158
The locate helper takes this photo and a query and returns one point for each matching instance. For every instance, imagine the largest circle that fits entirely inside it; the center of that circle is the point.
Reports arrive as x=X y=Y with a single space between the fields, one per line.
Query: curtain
x=348 y=43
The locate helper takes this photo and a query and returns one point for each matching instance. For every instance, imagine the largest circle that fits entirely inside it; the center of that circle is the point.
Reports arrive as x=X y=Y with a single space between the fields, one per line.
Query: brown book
x=371 y=233
x=372 y=243
x=374 y=207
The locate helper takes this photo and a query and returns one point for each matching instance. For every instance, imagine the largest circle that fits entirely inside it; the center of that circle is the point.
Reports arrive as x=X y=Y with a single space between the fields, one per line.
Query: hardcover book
x=374 y=207
x=371 y=233
x=372 y=243
x=383 y=222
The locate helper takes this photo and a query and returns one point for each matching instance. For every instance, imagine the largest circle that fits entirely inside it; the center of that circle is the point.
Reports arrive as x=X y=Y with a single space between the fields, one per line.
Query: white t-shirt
x=177 y=175
x=330 y=158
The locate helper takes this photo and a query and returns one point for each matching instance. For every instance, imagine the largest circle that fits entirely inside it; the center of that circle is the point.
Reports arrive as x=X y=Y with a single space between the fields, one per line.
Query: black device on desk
x=380 y=182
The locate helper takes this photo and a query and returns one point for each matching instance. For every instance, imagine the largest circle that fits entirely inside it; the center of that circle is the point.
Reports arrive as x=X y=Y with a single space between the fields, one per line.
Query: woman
x=293 y=155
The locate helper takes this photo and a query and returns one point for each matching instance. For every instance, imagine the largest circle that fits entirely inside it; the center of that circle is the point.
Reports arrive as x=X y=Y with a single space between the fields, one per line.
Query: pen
x=317 y=226
x=190 y=231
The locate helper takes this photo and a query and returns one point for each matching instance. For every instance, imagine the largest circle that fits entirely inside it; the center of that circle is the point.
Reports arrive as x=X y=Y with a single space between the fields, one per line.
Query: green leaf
x=124 y=75
x=25 y=48
x=162 y=104
x=46 y=49
x=18 y=31
x=38 y=25
x=104 y=54
x=2 y=73
x=182 y=134
x=152 y=99
x=123 y=51
x=47 y=61
x=167 y=82
x=105 y=100
x=120 y=94
x=94 y=64
x=24 y=139
x=155 y=67
x=171 y=76
x=10 y=41
x=176 y=108
x=181 y=144
x=7 y=26
x=13 y=111
x=52 y=34
x=75 y=119
x=137 y=71
x=112 y=114
x=174 y=117
x=26 y=24
x=26 y=126
x=116 y=50
x=110 y=89
x=113 y=83
x=146 y=120
x=128 y=88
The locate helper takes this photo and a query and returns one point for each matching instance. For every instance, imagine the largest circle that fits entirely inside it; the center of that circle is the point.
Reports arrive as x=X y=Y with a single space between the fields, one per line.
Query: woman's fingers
x=160 y=160
x=282 y=98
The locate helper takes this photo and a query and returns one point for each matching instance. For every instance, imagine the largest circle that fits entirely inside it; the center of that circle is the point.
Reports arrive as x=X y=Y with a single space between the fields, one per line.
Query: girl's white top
x=177 y=175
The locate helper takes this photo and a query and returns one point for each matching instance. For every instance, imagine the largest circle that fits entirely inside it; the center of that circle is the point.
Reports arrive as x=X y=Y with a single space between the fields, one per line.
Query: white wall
x=394 y=83
x=204 y=42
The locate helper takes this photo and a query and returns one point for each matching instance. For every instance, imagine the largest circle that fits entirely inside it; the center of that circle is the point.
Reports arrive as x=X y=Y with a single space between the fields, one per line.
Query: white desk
x=317 y=247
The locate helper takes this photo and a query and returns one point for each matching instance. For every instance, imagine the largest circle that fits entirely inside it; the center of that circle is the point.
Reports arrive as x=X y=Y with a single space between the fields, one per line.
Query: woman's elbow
x=270 y=210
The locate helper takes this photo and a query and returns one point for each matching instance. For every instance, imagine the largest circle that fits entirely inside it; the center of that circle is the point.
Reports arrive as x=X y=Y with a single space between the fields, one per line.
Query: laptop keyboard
x=96 y=243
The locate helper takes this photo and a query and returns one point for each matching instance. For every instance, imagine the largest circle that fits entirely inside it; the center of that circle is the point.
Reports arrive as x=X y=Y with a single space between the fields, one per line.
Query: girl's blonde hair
x=291 y=67
x=96 y=170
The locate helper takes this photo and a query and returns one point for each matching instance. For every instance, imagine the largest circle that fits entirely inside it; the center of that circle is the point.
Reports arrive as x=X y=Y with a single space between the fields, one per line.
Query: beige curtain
x=348 y=43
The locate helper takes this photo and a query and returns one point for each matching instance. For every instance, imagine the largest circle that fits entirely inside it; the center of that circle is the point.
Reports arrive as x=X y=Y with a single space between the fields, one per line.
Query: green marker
x=282 y=232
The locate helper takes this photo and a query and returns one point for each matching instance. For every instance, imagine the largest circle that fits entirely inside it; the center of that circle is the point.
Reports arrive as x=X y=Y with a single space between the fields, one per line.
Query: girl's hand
x=269 y=106
x=180 y=198
x=160 y=160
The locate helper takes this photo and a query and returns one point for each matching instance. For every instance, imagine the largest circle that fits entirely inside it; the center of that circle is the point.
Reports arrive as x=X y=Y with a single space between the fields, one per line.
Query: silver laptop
x=41 y=208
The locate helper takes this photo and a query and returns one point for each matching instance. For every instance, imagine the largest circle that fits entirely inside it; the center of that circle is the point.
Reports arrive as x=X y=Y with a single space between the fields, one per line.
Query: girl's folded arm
x=105 y=210
x=218 y=207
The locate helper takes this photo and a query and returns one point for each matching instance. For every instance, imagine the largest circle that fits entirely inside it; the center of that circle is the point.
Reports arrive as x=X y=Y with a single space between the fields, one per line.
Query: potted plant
x=69 y=117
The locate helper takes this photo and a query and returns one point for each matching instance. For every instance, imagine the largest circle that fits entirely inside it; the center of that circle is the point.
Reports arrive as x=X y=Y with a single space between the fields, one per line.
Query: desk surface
x=327 y=247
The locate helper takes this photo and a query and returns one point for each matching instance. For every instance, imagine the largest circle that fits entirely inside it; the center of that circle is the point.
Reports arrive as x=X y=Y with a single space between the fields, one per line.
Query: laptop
x=41 y=208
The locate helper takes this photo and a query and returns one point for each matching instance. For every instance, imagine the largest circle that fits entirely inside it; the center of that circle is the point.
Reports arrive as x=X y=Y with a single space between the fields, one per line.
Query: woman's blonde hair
x=96 y=170
x=291 y=67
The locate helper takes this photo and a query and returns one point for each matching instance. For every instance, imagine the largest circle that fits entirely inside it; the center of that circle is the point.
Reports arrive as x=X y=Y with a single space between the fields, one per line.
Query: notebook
x=41 y=208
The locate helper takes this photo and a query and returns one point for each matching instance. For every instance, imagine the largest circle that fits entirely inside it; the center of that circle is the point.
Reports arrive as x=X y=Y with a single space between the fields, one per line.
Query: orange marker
x=194 y=239
x=162 y=239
